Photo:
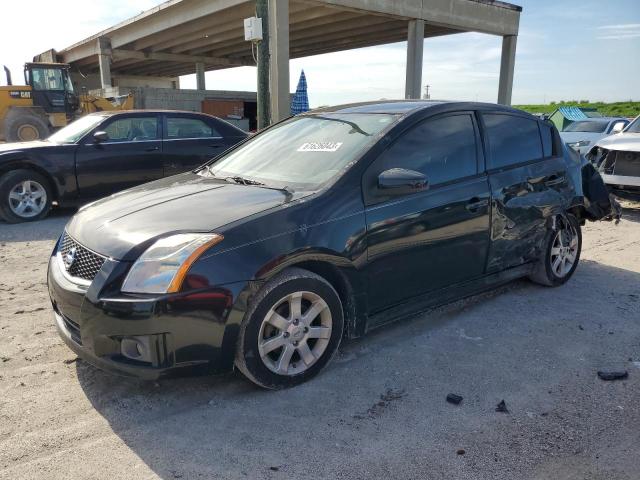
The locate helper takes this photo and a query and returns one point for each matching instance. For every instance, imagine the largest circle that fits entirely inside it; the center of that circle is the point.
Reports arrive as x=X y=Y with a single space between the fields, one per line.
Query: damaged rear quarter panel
x=525 y=199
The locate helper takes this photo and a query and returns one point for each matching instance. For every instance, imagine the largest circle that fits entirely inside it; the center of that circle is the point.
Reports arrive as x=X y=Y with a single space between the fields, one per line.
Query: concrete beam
x=200 y=80
x=458 y=14
x=279 y=55
x=415 y=42
x=104 y=61
x=507 y=66
x=121 y=54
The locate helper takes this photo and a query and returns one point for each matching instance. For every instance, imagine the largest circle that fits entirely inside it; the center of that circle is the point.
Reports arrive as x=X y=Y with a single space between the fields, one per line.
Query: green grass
x=617 y=109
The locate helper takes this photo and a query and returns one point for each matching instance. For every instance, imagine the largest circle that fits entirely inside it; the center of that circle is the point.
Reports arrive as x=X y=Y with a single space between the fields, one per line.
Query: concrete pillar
x=200 y=82
x=104 y=61
x=279 y=56
x=415 y=42
x=507 y=64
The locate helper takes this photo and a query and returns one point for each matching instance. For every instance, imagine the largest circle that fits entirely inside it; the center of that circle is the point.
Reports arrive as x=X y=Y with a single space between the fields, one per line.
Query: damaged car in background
x=617 y=158
x=321 y=227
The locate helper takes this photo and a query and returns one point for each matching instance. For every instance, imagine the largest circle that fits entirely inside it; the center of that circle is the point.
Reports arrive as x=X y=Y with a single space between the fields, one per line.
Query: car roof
x=406 y=107
x=108 y=113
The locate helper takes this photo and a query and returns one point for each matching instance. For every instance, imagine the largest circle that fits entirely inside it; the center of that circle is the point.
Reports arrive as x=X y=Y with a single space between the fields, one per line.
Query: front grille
x=78 y=261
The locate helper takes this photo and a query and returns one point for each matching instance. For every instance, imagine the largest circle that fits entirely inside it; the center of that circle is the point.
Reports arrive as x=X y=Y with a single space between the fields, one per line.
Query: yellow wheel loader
x=47 y=102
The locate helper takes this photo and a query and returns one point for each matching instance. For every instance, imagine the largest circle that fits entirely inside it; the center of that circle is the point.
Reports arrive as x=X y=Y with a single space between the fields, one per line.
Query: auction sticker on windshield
x=320 y=147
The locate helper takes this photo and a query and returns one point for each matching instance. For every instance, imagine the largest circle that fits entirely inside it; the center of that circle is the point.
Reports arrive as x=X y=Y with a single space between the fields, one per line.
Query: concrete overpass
x=180 y=37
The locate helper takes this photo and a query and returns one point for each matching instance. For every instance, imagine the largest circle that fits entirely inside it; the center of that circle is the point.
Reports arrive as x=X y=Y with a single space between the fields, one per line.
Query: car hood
x=20 y=146
x=114 y=226
x=629 y=142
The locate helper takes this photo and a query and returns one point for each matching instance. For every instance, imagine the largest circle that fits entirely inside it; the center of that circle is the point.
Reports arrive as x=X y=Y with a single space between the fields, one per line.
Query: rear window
x=512 y=139
x=182 y=127
x=588 y=126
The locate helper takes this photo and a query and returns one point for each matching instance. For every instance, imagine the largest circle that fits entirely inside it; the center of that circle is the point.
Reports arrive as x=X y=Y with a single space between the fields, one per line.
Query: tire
x=263 y=363
x=24 y=127
x=548 y=271
x=13 y=191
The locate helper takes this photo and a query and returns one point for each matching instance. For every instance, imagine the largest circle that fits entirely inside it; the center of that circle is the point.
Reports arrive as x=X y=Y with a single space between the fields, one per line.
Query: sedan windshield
x=76 y=130
x=589 y=126
x=302 y=153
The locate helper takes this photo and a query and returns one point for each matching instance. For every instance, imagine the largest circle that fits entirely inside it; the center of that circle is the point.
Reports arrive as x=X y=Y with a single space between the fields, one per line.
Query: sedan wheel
x=292 y=330
x=25 y=195
x=561 y=253
x=564 y=250
x=27 y=199
x=295 y=333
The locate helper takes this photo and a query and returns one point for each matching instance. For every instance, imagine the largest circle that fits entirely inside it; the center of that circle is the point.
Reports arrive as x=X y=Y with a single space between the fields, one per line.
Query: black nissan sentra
x=321 y=227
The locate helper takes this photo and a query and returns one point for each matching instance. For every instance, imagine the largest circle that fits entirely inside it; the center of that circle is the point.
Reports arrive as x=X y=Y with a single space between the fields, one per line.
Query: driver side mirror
x=400 y=181
x=618 y=127
x=100 y=137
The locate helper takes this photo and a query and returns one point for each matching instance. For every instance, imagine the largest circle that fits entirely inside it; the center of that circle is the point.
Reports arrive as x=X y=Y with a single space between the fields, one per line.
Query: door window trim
x=480 y=160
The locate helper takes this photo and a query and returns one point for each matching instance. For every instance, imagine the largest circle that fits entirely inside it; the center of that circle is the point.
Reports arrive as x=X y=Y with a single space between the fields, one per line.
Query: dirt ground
x=378 y=411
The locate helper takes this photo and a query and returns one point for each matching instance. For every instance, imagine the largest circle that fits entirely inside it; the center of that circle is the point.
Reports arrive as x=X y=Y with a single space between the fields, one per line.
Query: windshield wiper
x=288 y=192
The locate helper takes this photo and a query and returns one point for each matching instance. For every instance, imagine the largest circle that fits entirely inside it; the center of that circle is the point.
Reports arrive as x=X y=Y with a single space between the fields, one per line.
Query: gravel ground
x=378 y=411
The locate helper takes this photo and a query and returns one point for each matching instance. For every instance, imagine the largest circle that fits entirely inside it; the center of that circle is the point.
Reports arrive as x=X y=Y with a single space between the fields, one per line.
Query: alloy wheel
x=27 y=199
x=295 y=333
x=564 y=250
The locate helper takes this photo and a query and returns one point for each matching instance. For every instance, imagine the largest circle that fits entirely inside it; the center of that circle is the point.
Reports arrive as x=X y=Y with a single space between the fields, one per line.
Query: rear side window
x=512 y=139
x=546 y=133
x=181 y=127
x=443 y=148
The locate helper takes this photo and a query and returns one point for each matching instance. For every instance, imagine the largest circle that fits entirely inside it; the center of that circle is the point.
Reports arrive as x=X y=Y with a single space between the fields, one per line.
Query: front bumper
x=181 y=333
x=624 y=186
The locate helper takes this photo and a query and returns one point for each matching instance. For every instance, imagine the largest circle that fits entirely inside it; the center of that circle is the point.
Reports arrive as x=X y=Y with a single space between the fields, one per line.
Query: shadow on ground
x=49 y=228
x=379 y=410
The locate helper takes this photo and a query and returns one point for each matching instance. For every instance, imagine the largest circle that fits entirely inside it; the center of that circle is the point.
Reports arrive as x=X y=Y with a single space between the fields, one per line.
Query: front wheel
x=25 y=196
x=561 y=255
x=291 y=331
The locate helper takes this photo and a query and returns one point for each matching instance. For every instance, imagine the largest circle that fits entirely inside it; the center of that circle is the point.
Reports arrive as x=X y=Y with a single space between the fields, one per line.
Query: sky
x=567 y=50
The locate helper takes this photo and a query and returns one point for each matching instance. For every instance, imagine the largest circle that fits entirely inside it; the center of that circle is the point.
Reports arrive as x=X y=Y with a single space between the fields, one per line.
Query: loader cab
x=51 y=87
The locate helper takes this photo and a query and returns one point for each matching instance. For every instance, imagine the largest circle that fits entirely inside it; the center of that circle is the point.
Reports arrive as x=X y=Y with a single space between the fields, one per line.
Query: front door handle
x=476 y=204
x=215 y=145
x=152 y=149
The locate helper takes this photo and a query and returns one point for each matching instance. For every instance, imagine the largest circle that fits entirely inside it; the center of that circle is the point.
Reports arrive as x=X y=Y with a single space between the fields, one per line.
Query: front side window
x=304 y=152
x=47 y=79
x=133 y=129
x=178 y=127
x=444 y=149
x=633 y=127
x=512 y=139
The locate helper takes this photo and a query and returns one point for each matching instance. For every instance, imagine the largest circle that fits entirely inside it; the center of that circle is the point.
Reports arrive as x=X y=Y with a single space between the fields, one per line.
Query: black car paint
x=87 y=170
x=385 y=260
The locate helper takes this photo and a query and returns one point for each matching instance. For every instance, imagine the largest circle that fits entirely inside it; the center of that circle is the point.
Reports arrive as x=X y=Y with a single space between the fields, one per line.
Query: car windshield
x=634 y=127
x=302 y=153
x=589 y=126
x=76 y=130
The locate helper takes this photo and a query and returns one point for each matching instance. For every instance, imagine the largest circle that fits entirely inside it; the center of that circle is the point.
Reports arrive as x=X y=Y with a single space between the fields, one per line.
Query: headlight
x=163 y=266
x=579 y=144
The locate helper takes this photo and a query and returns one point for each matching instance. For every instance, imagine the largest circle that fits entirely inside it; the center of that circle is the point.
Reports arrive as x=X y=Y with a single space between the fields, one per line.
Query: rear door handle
x=215 y=145
x=476 y=204
x=152 y=149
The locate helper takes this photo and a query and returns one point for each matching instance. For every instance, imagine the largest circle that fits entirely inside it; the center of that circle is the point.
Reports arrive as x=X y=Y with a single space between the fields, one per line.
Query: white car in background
x=584 y=134
x=617 y=158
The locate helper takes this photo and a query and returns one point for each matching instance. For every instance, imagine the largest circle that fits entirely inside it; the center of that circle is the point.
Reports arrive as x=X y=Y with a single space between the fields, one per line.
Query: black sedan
x=103 y=153
x=323 y=226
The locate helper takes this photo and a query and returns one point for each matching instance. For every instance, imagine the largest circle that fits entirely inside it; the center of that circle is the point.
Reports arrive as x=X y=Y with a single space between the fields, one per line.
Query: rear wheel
x=23 y=127
x=562 y=253
x=292 y=330
x=25 y=195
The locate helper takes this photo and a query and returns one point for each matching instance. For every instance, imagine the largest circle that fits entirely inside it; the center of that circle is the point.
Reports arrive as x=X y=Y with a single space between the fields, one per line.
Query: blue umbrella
x=300 y=102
